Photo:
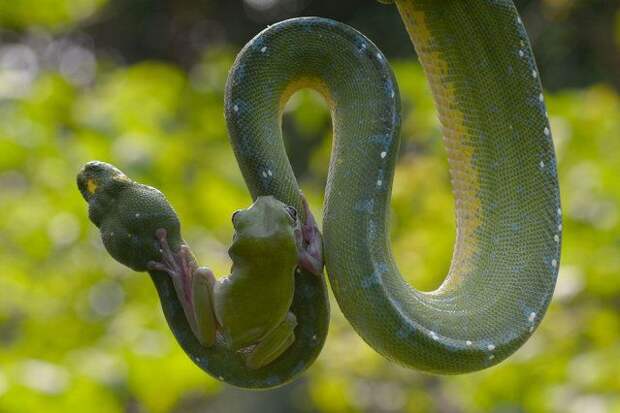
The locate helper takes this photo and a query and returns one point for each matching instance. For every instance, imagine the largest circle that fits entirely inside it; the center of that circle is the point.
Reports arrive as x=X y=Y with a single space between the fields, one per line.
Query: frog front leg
x=276 y=342
x=193 y=285
x=309 y=242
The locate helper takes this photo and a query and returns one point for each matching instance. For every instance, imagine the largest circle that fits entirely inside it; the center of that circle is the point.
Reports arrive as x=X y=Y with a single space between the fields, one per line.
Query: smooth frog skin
x=251 y=306
x=248 y=317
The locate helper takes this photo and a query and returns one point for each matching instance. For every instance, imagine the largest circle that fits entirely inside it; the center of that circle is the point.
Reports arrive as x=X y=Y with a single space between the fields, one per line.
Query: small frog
x=250 y=307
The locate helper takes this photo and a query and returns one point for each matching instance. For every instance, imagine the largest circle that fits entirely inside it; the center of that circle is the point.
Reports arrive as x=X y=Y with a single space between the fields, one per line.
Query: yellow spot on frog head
x=91 y=186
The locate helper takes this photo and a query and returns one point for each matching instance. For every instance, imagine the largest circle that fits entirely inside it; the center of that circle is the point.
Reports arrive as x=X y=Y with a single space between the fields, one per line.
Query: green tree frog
x=248 y=309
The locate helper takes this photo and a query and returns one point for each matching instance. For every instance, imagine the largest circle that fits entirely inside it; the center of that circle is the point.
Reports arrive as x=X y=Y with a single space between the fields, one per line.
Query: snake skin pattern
x=485 y=82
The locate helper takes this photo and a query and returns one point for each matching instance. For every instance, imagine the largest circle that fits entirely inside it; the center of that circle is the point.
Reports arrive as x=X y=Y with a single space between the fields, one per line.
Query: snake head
x=128 y=214
x=99 y=178
x=100 y=184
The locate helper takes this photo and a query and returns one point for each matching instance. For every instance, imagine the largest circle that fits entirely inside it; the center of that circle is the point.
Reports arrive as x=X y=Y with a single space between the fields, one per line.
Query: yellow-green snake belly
x=485 y=82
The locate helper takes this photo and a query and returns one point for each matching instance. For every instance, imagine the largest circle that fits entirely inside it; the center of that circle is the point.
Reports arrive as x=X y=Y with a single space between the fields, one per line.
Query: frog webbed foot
x=193 y=285
x=310 y=243
x=178 y=265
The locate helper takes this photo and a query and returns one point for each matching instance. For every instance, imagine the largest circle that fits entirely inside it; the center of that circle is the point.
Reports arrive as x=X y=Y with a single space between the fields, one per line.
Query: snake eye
x=292 y=212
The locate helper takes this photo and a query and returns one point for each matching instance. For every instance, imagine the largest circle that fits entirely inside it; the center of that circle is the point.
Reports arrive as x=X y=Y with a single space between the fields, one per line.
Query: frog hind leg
x=202 y=302
x=273 y=344
x=180 y=266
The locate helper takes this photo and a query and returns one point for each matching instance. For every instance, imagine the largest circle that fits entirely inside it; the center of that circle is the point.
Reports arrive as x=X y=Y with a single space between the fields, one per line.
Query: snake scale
x=486 y=86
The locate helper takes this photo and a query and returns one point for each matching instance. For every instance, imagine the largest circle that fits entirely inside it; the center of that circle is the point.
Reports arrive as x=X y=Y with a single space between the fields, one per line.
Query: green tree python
x=485 y=82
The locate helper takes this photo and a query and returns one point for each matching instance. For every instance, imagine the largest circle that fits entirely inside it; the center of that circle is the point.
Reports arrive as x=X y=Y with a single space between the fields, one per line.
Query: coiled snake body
x=479 y=63
x=486 y=85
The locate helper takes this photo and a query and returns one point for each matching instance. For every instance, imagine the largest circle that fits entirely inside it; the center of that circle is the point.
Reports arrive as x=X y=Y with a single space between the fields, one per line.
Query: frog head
x=265 y=232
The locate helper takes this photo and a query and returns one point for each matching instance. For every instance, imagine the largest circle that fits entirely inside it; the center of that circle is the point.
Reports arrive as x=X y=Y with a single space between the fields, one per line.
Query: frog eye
x=233 y=216
x=292 y=212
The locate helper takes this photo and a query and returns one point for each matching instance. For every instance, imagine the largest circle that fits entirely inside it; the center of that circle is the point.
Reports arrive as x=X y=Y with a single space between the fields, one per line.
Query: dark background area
x=576 y=42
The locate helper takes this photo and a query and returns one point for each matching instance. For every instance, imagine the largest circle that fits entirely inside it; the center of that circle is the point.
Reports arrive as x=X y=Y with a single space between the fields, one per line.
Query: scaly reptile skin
x=479 y=63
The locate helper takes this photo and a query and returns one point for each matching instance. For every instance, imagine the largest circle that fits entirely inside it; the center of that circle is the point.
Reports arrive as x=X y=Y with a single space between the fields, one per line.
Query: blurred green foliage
x=53 y=14
x=79 y=332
